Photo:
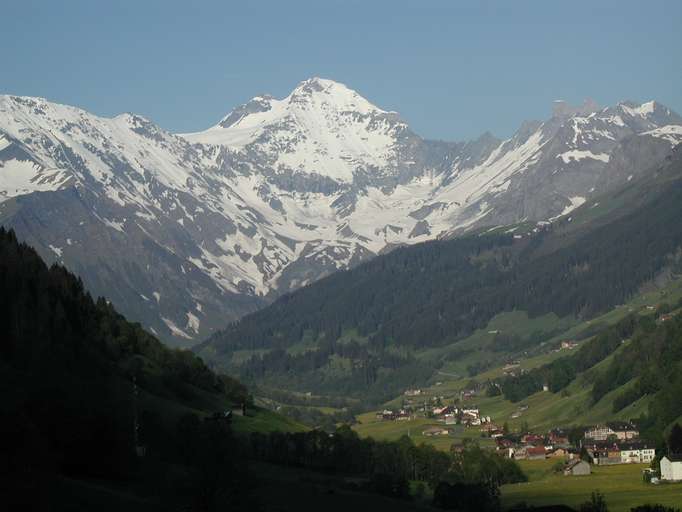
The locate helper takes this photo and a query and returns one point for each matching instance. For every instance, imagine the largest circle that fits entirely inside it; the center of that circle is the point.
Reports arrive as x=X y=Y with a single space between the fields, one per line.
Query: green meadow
x=622 y=486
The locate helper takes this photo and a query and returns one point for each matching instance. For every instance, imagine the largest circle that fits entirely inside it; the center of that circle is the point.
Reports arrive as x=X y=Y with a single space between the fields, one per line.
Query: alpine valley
x=186 y=233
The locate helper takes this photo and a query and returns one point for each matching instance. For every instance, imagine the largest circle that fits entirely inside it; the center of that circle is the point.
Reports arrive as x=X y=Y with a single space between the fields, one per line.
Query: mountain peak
x=325 y=94
x=314 y=93
x=317 y=84
x=322 y=115
x=636 y=109
x=324 y=86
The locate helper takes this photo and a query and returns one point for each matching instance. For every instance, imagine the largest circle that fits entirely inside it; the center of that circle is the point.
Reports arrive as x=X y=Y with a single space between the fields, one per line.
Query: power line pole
x=136 y=423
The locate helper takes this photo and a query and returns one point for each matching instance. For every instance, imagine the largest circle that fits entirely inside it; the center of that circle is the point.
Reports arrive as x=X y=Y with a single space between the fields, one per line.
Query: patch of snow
x=118 y=226
x=576 y=201
x=19 y=177
x=175 y=329
x=56 y=250
x=577 y=155
x=193 y=322
x=642 y=111
x=671 y=132
x=617 y=120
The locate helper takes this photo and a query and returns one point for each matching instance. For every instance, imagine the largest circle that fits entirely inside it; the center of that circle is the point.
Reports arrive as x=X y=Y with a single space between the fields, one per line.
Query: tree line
x=389 y=465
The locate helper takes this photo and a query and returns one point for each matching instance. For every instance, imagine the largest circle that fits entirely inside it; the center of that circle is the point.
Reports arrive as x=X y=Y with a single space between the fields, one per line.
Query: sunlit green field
x=262 y=420
x=368 y=426
x=621 y=485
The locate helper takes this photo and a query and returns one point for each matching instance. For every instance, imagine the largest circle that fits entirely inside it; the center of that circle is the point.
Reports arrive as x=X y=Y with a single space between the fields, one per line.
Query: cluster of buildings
x=612 y=443
x=436 y=431
x=446 y=415
x=568 y=345
x=530 y=446
x=402 y=414
x=453 y=415
x=469 y=416
x=512 y=369
x=617 y=442
x=604 y=453
x=433 y=407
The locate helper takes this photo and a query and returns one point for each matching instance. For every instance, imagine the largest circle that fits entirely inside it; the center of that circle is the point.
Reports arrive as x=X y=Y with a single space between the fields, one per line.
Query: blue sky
x=452 y=69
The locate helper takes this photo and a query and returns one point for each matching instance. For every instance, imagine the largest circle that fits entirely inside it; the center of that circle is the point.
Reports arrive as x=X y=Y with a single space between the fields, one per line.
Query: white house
x=636 y=452
x=671 y=468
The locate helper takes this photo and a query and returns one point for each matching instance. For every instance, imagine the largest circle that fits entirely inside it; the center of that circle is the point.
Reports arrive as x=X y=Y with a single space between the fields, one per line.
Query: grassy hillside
x=545 y=410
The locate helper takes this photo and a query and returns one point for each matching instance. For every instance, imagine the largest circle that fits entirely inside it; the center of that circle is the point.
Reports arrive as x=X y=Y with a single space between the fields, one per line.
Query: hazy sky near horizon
x=452 y=69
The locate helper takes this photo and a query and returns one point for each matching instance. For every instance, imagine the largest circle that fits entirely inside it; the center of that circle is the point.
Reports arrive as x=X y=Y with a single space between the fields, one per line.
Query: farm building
x=435 y=431
x=671 y=468
x=577 y=467
x=559 y=453
x=535 y=452
x=606 y=456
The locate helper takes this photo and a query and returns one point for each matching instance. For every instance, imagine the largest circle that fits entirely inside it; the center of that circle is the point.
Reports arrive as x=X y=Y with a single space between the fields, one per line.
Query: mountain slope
x=280 y=193
x=629 y=370
x=82 y=388
x=540 y=411
x=374 y=319
x=68 y=364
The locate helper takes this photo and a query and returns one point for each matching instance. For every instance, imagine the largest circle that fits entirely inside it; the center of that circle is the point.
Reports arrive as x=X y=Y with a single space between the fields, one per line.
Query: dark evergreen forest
x=67 y=364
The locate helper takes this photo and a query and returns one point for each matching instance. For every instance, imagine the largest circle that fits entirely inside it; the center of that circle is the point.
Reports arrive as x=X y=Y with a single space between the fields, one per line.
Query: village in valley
x=575 y=450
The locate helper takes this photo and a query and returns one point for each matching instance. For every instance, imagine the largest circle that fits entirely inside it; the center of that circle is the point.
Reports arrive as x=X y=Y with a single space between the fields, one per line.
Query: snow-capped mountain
x=188 y=232
x=321 y=128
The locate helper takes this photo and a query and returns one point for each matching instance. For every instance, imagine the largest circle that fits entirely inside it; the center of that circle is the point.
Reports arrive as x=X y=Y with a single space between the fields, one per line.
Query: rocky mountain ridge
x=188 y=232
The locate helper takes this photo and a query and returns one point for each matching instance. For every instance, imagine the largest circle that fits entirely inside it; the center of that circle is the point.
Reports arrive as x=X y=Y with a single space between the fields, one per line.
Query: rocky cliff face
x=186 y=233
